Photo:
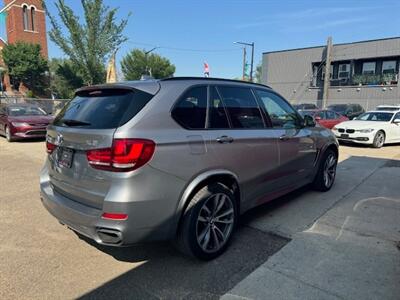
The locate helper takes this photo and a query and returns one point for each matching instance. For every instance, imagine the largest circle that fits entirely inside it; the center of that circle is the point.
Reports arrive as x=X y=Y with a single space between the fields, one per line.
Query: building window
x=389 y=66
x=344 y=71
x=33 y=18
x=25 y=16
x=330 y=72
x=368 y=68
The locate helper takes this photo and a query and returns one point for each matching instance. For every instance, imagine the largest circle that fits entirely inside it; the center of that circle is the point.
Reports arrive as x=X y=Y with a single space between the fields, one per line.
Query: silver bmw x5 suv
x=178 y=159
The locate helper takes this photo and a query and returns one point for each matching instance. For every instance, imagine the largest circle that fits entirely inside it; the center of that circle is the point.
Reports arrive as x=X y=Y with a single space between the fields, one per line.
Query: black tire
x=195 y=223
x=326 y=164
x=379 y=139
x=8 y=134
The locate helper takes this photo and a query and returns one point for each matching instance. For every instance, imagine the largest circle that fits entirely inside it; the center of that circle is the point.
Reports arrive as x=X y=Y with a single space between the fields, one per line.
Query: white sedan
x=375 y=128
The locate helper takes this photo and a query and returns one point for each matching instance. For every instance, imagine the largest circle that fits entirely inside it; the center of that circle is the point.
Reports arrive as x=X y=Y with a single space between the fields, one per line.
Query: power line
x=186 y=49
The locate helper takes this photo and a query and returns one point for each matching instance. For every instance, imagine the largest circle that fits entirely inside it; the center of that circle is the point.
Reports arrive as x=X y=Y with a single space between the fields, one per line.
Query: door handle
x=224 y=139
x=284 y=137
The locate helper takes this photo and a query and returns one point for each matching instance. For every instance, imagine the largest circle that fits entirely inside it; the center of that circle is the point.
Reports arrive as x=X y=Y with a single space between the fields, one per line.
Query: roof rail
x=211 y=78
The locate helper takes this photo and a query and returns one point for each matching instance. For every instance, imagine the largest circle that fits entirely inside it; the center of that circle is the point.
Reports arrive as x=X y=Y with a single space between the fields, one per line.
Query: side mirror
x=396 y=121
x=309 y=121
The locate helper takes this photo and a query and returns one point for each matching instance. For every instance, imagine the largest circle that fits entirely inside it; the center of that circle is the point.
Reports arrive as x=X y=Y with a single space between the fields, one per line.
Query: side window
x=242 y=107
x=397 y=116
x=349 y=110
x=217 y=117
x=330 y=115
x=321 y=115
x=190 y=111
x=282 y=115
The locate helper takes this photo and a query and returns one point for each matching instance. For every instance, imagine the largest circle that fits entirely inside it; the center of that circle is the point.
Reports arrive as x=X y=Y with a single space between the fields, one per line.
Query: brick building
x=25 y=21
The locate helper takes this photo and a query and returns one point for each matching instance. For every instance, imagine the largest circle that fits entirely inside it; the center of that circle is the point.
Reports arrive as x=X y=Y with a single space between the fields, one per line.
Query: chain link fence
x=51 y=106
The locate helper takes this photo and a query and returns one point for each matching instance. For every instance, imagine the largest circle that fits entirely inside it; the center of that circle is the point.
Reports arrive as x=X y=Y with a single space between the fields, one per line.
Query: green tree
x=26 y=64
x=258 y=76
x=88 y=45
x=65 y=78
x=137 y=63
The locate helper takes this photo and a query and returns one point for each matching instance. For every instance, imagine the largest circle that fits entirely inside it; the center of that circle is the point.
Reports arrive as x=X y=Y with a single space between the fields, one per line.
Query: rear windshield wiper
x=70 y=122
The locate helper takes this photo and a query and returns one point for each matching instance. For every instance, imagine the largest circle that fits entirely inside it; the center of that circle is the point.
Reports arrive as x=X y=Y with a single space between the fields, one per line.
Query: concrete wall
x=290 y=70
x=290 y=73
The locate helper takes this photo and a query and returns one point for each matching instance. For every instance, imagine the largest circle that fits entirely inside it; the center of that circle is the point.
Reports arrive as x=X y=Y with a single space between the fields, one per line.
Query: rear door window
x=217 y=118
x=102 y=109
x=190 y=111
x=242 y=107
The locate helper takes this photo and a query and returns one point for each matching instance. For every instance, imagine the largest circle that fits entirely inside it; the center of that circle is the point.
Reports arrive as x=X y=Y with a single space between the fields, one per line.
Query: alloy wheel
x=8 y=133
x=380 y=139
x=330 y=170
x=215 y=222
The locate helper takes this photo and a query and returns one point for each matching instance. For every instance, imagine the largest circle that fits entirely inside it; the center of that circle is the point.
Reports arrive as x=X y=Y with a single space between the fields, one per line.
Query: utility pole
x=252 y=61
x=252 y=58
x=244 y=64
x=325 y=94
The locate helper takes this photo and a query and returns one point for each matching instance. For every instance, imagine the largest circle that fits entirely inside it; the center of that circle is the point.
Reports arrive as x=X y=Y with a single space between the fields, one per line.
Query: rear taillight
x=124 y=155
x=114 y=216
x=50 y=147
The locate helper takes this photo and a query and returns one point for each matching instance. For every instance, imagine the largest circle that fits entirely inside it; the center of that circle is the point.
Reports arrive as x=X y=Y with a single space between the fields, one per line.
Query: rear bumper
x=87 y=220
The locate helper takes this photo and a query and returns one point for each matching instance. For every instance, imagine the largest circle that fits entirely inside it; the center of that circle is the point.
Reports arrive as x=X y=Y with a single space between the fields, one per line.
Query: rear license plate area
x=65 y=157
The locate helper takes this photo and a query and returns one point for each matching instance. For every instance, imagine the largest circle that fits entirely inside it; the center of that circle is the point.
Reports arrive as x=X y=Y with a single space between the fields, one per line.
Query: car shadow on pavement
x=31 y=140
x=167 y=274
x=355 y=145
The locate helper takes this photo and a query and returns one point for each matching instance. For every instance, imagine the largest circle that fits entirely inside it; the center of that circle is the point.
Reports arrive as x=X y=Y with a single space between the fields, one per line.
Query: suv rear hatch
x=89 y=122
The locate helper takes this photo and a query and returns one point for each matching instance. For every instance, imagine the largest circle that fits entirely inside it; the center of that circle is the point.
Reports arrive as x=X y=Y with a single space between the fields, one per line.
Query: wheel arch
x=334 y=148
x=225 y=177
x=329 y=146
x=383 y=130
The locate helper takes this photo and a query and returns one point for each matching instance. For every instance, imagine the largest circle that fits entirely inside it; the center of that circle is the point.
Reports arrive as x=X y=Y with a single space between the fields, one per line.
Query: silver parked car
x=180 y=158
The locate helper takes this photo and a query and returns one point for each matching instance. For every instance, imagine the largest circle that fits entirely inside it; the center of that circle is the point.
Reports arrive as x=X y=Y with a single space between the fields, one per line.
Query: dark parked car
x=349 y=110
x=178 y=158
x=23 y=121
x=304 y=106
x=325 y=118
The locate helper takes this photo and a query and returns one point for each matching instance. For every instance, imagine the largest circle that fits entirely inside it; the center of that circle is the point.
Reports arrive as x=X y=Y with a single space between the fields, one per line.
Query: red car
x=22 y=121
x=324 y=117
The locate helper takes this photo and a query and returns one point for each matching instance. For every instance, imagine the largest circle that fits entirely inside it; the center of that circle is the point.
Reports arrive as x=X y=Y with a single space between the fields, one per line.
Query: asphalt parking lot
x=41 y=259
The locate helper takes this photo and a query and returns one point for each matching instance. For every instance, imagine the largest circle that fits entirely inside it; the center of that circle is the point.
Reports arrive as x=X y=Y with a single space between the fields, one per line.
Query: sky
x=191 y=32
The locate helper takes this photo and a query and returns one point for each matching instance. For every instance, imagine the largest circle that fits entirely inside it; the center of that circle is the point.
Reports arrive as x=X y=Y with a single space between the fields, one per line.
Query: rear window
x=338 y=108
x=309 y=106
x=17 y=111
x=102 y=109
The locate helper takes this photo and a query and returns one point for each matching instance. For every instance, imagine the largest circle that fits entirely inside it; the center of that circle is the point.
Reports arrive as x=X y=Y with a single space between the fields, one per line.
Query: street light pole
x=252 y=56
x=252 y=61
x=244 y=63
x=145 y=55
